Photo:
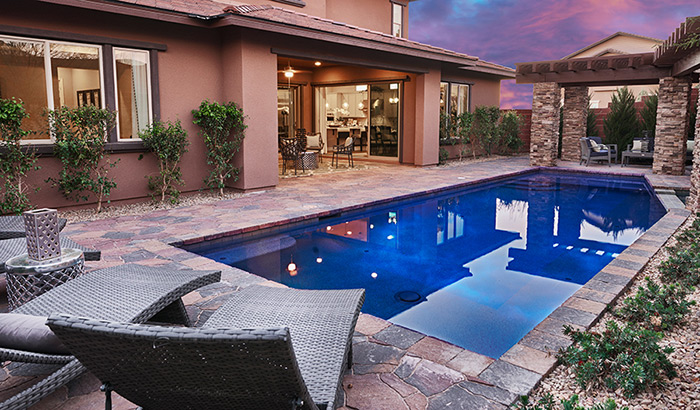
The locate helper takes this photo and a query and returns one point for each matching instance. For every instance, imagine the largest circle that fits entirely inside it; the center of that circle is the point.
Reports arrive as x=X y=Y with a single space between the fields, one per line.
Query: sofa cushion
x=28 y=333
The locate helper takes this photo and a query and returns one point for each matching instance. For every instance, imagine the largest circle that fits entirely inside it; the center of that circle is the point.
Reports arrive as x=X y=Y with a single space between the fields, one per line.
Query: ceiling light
x=317 y=63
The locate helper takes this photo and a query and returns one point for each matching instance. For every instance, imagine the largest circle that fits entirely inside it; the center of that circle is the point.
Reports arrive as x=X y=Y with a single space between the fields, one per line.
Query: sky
x=516 y=31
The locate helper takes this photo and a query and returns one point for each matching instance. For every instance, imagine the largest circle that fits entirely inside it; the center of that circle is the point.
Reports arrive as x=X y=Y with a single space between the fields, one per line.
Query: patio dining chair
x=126 y=293
x=290 y=149
x=346 y=149
x=590 y=153
x=314 y=142
x=266 y=348
x=12 y=226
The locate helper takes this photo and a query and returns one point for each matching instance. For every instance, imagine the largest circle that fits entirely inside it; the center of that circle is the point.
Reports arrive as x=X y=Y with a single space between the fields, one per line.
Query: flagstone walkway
x=394 y=367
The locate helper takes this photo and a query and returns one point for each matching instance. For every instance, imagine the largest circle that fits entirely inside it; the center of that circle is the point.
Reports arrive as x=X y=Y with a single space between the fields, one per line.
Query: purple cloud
x=510 y=31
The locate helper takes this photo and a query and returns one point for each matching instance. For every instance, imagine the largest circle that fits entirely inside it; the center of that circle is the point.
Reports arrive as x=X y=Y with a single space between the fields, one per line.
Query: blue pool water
x=478 y=267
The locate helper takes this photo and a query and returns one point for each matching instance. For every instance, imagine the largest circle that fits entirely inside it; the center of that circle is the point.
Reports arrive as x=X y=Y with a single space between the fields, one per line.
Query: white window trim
x=49 y=78
x=116 y=93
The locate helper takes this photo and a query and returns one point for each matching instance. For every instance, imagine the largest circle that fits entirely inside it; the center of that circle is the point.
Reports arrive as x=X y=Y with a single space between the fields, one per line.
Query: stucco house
x=617 y=44
x=321 y=65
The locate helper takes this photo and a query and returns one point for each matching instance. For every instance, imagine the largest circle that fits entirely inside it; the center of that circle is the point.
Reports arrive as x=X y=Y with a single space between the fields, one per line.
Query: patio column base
x=575 y=113
x=671 y=126
x=544 y=138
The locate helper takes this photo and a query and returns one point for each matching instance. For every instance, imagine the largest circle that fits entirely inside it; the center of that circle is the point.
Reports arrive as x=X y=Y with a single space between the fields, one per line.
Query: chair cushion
x=313 y=141
x=348 y=141
x=28 y=333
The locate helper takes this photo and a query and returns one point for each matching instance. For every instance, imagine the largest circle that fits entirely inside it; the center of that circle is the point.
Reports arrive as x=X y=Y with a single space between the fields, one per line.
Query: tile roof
x=210 y=9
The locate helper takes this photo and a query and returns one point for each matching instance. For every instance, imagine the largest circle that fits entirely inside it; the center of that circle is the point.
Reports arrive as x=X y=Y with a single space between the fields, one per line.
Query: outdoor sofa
x=126 y=293
x=266 y=348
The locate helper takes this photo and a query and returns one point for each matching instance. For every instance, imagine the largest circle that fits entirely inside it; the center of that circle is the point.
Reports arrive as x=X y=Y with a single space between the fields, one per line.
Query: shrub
x=509 y=124
x=621 y=125
x=486 y=129
x=15 y=161
x=547 y=403
x=627 y=358
x=656 y=307
x=80 y=146
x=168 y=141
x=648 y=114
x=683 y=267
x=223 y=132
x=443 y=156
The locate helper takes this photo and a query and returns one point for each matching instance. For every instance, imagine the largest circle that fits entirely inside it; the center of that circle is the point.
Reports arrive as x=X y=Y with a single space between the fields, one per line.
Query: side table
x=308 y=160
x=28 y=278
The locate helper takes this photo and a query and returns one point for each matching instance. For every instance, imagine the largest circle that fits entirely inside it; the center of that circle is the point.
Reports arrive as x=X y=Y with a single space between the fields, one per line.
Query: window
x=454 y=98
x=48 y=74
x=132 y=75
x=397 y=19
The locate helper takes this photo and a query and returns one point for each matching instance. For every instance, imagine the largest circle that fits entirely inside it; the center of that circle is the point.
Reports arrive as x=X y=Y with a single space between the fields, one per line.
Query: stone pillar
x=671 y=125
x=575 y=113
x=694 y=199
x=544 y=131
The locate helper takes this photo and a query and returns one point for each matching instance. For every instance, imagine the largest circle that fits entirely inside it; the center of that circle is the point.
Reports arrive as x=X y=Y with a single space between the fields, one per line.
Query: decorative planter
x=41 y=227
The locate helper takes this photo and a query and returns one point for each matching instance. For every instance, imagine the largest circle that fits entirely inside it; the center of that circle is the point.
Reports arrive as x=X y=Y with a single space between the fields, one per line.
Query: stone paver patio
x=394 y=367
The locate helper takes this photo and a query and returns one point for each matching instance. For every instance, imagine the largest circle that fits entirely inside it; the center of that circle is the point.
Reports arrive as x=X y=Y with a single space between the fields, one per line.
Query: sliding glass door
x=385 y=121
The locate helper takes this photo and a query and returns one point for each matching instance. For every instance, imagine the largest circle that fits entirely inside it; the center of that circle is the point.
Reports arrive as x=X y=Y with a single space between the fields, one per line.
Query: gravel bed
x=682 y=392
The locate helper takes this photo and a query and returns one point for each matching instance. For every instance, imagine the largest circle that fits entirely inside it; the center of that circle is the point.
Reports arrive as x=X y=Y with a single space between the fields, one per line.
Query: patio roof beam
x=596 y=77
x=687 y=64
x=352 y=61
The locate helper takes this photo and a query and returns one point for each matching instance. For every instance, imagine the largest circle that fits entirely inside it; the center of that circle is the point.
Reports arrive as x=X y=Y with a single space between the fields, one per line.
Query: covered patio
x=673 y=67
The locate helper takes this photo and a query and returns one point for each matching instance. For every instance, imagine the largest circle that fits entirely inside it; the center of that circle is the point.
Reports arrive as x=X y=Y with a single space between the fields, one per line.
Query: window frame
x=448 y=94
x=149 y=80
x=395 y=4
x=105 y=46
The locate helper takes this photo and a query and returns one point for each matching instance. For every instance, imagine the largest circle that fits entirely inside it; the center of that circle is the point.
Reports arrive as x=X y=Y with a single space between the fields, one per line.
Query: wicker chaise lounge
x=127 y=293
x=12 y=226
x=266 y=348
x=17 y=246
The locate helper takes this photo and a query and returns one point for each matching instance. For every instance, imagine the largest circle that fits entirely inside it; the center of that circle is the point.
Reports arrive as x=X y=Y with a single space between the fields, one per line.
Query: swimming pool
x=478 y=267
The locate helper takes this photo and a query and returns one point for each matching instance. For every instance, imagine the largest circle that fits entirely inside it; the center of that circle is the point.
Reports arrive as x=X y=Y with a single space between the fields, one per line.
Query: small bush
x=627 y=358
x=509 y=125
x=168 y=141
x=223 y=132
x=683 y=267
x=486 y=129
x=547 y=403
x=81 y=135
x=444 y=155
x=15 y=160
x=656 y=307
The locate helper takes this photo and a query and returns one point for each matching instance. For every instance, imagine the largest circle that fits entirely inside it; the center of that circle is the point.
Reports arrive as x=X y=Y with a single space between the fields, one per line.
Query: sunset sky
x=515 y=31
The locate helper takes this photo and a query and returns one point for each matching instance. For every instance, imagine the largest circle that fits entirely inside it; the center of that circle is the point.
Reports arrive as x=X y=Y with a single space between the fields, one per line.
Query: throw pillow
x=312 y=141
x=594 y=146
x=636 y=145
x=29 y=333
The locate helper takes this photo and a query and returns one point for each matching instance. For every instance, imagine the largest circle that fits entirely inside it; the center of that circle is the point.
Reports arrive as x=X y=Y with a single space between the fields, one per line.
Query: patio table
x=28 y=278
x=626 y=155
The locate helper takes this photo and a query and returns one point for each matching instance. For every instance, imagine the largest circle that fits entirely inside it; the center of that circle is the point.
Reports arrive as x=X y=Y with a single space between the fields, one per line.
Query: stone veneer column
x=575 y=112
x=671 y=126
x=694 y=199
x=544 y=131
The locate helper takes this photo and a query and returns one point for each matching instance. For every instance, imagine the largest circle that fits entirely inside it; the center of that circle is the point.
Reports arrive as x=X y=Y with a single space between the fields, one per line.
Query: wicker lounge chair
x=127 y=293
x=12 y=226
x=588 y=154
x=18 y=246
x=266 y=348
x=611 y=147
